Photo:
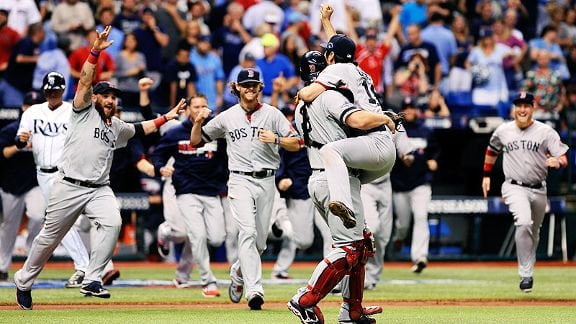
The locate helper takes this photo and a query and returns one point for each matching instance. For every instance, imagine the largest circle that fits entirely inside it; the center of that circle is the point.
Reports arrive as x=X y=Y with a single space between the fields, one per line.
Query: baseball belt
x=84 y=183
x=527 y=185
x=48 y=169
x=257 y=174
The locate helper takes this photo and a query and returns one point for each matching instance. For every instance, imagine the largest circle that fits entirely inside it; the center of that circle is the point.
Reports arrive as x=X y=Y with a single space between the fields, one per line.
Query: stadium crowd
x=446 y=59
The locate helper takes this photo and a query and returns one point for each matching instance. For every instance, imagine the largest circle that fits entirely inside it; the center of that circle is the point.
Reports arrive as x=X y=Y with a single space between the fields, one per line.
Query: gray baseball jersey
x=361 y=84
x=245 y=151
x=525 y=151
x=90 y=144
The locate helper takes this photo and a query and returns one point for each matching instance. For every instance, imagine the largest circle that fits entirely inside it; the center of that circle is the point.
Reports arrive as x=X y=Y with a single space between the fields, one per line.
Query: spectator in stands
x=436 y=107
x=20 y=71
x=71 y=18
x=52 y=60
x=568 y=114
x=571 y=63
x=107 y=17
x=104 y=68
x=292 y=44
x=412 y=80
x=173 y=23
x=181 y=76
x=443 y=38
x=570 y=22
x=413 y=13
x=510 y=20
x=548 y=41
x=258 y=13
x=151 y=40
x=464 y=41
x=545 y=84
x=339 y=16
x=484 y=20
x=486 y=64
x=512 y=68
x=210 y=73
x=128 y=20
x=255 y=47
x=22 y=14
x=248 y=61
x=130 y=67
x=273 y=65
x=426 y=50
x=8 y=40
x=196 y=11
x=231 y=37
x=557 y=17
x=191 y=34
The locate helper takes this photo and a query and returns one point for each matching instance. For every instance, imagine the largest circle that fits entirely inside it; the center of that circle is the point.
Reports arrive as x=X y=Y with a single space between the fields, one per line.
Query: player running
x=83 y=183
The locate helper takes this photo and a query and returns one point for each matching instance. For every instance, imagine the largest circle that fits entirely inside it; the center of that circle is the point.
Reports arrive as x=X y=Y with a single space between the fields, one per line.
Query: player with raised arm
x=253 y=133
x=83 y=182
x=529 y=148
x=374 y=153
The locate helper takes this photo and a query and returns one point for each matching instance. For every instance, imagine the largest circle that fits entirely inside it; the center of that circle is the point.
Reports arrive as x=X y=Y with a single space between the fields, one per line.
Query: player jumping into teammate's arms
x=83 y=185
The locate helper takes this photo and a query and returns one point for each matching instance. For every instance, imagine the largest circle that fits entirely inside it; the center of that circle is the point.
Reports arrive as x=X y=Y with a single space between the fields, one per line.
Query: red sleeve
x=385 y=50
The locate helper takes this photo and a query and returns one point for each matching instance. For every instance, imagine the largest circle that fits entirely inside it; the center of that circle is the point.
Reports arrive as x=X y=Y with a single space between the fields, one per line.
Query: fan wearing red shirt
x=371 y=54
x=104 y=68
x=8 y=38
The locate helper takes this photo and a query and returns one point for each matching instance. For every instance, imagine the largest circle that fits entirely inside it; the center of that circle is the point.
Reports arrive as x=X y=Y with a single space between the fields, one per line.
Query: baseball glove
x=398 y=119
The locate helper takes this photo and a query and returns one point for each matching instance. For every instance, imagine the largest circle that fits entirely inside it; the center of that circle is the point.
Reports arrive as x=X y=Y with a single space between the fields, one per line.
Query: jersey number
x=369 y=87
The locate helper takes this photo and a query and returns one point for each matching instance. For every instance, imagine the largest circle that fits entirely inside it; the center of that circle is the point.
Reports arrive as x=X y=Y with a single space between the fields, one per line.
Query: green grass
x=472 y=284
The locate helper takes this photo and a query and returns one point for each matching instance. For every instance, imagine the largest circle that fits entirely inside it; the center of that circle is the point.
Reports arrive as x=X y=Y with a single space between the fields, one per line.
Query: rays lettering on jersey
x=50 y=129
x=102 y=134
x=207 y=150
x=239 y=133
x=526 y=145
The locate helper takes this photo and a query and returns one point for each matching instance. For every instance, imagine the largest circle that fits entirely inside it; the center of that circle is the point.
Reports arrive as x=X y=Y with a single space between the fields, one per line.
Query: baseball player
x=529 y=148
x=291 y=180
x=82 y=186
x=18 y=188
x=199 y=174
x=411 y=179
x=45 y=126
x=373 y=153
x=320 y=122
x=254 y=131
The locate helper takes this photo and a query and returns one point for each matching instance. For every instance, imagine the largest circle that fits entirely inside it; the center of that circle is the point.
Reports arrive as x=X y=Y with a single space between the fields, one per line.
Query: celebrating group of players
x=351 y=145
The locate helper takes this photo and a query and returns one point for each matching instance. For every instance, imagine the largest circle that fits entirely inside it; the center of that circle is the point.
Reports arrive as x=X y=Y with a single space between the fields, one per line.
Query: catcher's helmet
x=311 y=64
x=54 y=81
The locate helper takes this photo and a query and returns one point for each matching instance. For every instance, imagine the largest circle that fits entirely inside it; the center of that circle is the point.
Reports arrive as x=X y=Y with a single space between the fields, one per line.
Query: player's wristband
x=160 y=121
x=277 y=140
x=93 y=57
x=19 y=144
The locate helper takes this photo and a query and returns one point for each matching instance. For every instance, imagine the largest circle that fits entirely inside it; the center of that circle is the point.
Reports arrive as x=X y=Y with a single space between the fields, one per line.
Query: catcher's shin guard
x=325 y=277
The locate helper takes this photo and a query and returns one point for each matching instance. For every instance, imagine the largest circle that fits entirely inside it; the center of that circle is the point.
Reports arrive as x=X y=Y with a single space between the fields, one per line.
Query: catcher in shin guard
x=346 y=260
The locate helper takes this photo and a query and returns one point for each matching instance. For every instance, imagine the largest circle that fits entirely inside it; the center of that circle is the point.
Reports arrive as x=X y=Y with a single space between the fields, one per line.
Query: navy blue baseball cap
x=106 y=87
x=247 y=76
x=33 y=98
x=342 y=45
x=523 y=97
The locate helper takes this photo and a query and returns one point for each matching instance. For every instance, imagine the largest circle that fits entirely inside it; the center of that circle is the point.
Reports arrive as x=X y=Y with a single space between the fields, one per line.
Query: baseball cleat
x=344 y=213
x=163 y=249
x=95 y=289
x=110 y=276
x=210 y=291
x=362 y=320
x=3 y=276
x=255 y=302
x=419 y=266
x=235 y=292
x=281 y=276
x=371 y=310
x=310 y=315
x=24 y=299
x=75 y=280
x=181 y=283
x=526 y=284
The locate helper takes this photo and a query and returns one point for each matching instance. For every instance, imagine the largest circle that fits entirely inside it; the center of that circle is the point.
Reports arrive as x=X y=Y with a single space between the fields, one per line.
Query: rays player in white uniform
x=373 y=153
x=253 y=133
x=529 y=148
x=83 y=183
x=45 y=125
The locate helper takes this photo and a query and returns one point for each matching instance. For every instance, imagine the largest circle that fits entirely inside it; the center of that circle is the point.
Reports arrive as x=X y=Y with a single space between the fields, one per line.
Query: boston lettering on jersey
x=49 y=128
x=239 y=133
x=527 y=145
x=102 y=134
